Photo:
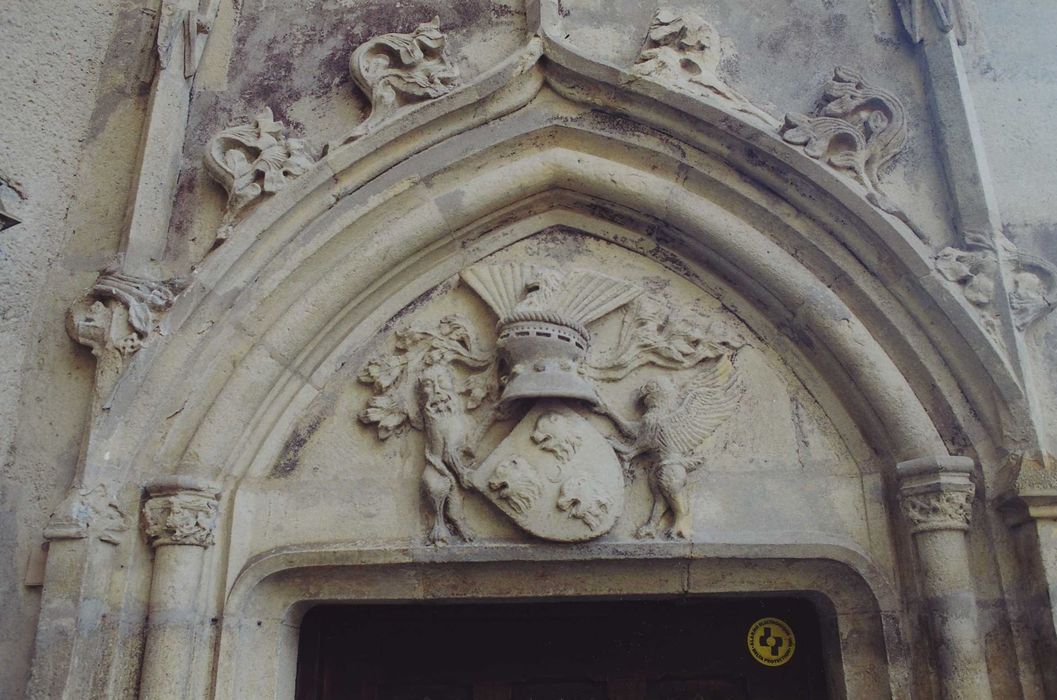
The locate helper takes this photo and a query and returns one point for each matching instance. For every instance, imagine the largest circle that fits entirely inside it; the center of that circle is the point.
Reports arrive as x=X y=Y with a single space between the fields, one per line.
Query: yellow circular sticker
x=771 y=641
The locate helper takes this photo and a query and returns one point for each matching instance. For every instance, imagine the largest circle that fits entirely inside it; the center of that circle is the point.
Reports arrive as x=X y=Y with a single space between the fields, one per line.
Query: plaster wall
x=73 y=84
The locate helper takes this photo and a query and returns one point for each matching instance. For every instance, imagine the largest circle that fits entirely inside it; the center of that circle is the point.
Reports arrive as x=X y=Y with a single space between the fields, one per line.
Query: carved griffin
x=675 y=423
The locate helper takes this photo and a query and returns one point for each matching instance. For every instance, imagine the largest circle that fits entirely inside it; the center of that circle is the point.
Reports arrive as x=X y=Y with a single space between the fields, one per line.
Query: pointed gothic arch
x=550 y=138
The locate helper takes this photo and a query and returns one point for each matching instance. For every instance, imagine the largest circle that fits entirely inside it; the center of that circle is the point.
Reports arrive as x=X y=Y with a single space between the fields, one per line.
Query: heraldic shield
x=555 y=475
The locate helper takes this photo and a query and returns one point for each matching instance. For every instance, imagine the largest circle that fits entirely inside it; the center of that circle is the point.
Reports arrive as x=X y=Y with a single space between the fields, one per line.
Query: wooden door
x=638 y=650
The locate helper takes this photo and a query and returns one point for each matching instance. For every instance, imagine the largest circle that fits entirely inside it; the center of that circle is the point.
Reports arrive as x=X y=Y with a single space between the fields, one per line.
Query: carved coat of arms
x=560 y=470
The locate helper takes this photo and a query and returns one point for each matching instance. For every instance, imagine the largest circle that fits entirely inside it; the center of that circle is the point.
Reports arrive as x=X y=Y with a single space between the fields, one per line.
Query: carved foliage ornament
x=683 y=50
x=1032 y=280
x=858 y=128
x=400 y=70
x=939 y=510
x=187 y=518
x=554 y=473
x=253 y=160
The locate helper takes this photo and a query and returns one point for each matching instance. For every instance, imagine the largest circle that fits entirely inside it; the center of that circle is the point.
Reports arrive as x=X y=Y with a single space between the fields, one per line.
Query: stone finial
x=858 y=128
x=683 y=50
x=252 y=160
x=401 y=70
x=85 y=512
x=181 y=510
x=936 y=493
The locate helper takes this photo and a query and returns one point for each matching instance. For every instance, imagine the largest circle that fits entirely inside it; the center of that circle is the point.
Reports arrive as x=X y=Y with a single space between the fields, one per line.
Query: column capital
x=181 y=509
x=936 y=493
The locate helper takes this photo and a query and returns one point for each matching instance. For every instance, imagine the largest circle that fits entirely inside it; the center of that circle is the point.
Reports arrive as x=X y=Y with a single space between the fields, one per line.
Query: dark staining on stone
x=753 y=158
x=183 y=202
x=672 y=261
x=417 y=303
x=290 y=457
x=500 y=11
x=130 y=63
x=558 y=243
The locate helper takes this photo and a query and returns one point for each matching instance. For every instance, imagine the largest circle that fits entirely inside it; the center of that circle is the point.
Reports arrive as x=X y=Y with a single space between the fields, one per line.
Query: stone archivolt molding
x=857 y=113
x=180 y=511
x=578 y=79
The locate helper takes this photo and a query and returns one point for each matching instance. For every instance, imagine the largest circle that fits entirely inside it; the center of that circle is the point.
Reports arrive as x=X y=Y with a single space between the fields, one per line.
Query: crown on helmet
x=543 y=317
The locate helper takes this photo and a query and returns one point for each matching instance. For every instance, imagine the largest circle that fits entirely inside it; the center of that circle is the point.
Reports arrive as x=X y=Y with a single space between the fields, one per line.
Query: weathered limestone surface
x=631 y=298
x=70 y=116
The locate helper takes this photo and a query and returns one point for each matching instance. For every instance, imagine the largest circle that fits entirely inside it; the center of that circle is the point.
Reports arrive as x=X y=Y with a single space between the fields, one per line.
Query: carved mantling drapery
x=683 y=50
x=253 y=160
x=180 y=511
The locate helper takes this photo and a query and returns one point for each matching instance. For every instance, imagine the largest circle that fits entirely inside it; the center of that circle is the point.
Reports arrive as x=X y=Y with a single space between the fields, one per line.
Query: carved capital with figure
x=181 y=510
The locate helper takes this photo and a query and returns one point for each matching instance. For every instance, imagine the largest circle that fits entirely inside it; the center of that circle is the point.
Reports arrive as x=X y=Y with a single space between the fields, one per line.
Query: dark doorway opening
x=685 y=649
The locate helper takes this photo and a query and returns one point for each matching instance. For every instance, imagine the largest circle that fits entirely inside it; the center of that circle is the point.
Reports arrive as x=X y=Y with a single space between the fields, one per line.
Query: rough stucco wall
x=70 y=114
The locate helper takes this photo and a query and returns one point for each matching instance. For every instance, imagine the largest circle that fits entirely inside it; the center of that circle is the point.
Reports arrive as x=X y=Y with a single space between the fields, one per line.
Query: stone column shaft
x=180 y=515
x=1032 y=516
x=936 y=497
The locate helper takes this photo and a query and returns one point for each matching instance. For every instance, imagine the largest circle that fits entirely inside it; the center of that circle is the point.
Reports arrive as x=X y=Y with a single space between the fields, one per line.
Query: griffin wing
x=709 y=399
